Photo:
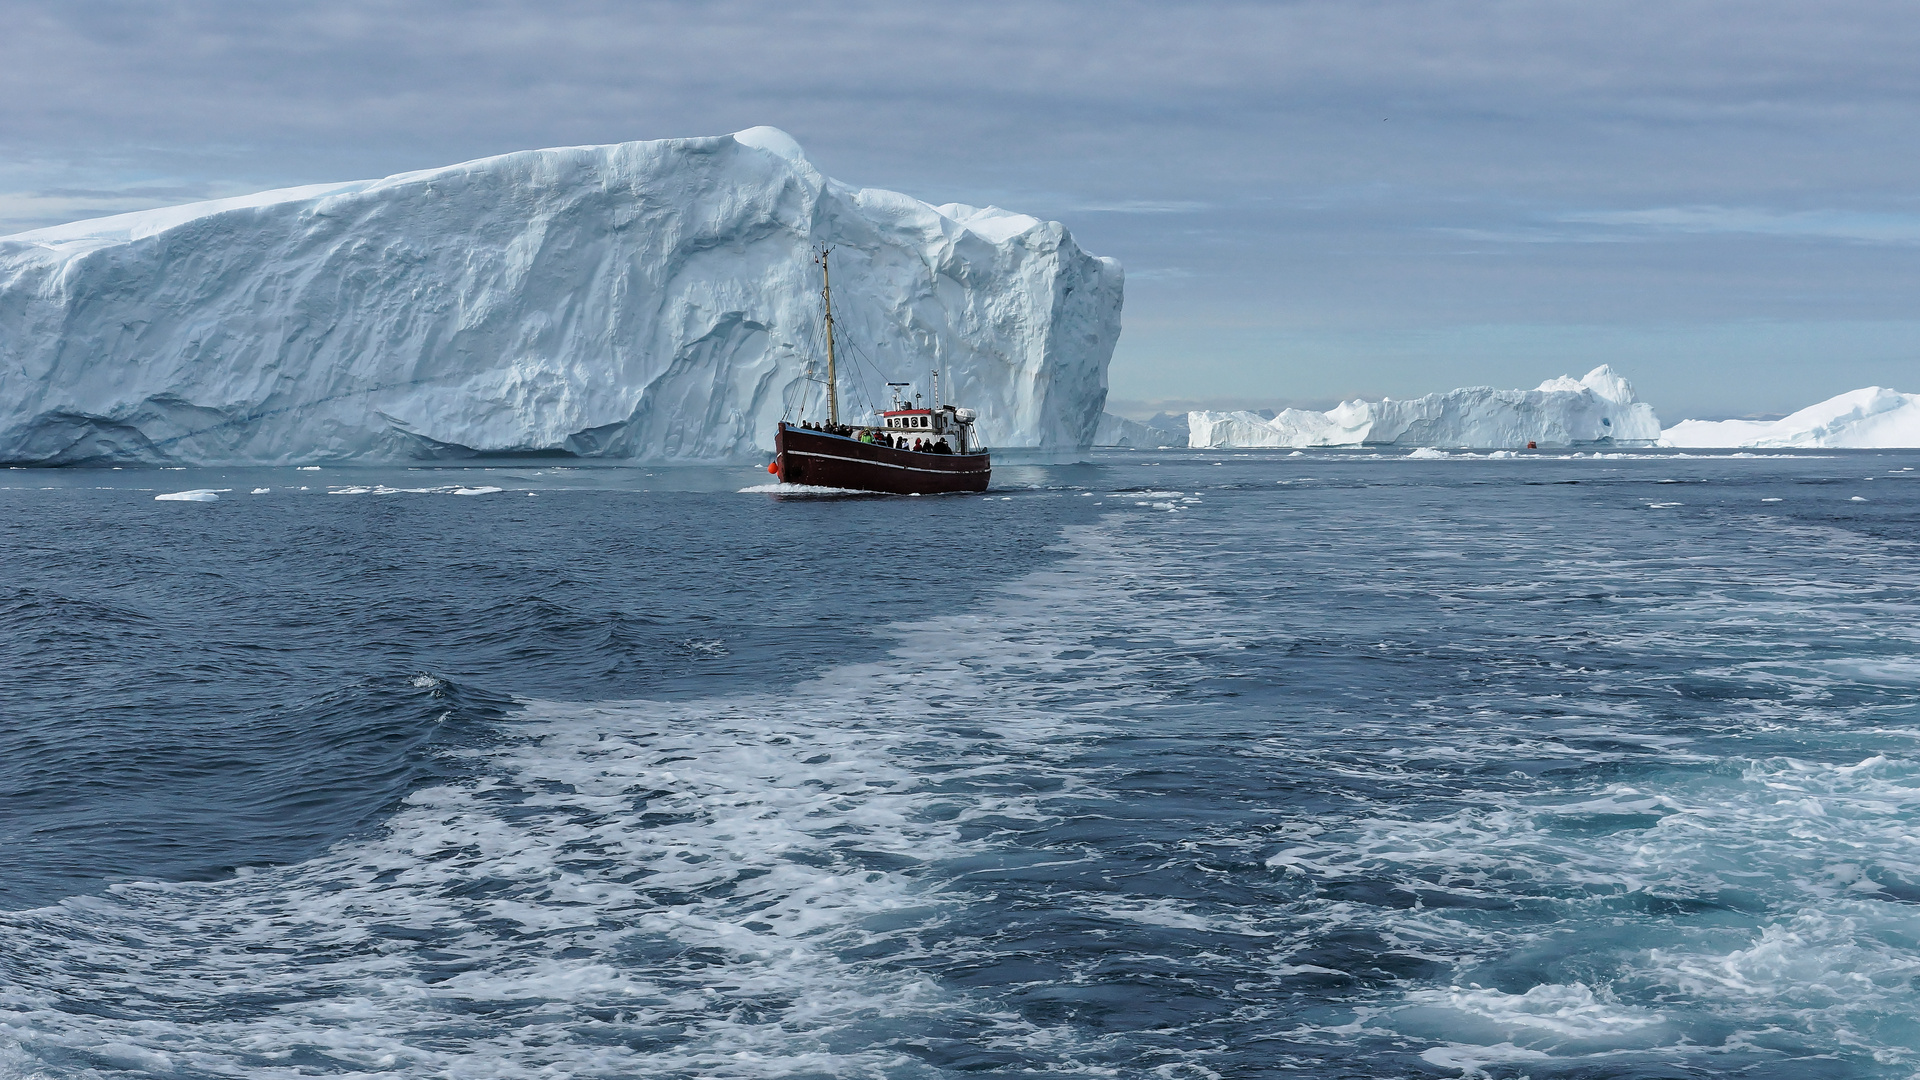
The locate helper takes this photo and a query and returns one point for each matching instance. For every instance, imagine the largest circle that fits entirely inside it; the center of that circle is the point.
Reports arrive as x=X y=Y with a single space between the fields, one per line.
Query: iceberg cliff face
x=1874 y=418
x=649 y=300
x=1560 y=412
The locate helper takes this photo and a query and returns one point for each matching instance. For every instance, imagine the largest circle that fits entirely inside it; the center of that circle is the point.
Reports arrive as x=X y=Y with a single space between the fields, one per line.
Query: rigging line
x=815 y=345
x=860 y=356
x=857 y=355
x=856 y=387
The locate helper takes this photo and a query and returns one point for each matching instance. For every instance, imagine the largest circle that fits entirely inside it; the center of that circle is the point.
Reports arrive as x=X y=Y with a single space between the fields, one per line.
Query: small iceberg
x=1872 y=418
x=196 y=495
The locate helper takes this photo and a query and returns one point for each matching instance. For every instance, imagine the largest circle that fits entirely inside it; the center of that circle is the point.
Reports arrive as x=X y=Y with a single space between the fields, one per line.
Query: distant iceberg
x=647 y=300
x=1162 y=430
x=1561 y=412
x=1873 y=418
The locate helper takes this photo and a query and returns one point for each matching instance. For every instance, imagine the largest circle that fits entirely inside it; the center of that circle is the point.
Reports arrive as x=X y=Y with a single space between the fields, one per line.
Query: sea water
x=1174 y=764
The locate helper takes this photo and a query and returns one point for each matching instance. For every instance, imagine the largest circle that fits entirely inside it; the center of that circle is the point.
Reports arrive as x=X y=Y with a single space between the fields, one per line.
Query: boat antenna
x=936 y=388
x=826 y=303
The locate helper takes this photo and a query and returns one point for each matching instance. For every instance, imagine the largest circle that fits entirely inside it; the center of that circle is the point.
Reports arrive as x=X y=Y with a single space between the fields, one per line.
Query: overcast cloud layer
x=1313 y=200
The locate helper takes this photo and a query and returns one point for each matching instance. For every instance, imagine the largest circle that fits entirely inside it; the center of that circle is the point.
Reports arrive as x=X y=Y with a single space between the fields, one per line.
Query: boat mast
x=826 y=302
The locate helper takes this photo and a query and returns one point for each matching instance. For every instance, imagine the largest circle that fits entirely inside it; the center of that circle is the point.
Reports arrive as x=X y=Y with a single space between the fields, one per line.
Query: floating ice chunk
x=480 y=491
x=1427 y=453
x=306 y=468
x=263 y=491
x=1857 y=498
x=1771 y=499
x=1873 y=418
x=196 y=495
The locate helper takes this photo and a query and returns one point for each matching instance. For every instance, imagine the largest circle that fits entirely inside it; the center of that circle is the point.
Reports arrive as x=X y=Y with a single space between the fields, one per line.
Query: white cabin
x=946 y=424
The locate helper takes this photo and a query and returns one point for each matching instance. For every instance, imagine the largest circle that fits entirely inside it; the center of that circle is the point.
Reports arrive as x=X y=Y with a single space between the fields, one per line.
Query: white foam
x=800 y=489
x=1551 y=1012
x=718 y=866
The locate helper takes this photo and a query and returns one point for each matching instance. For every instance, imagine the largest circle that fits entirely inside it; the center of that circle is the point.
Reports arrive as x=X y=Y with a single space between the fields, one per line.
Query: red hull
x=822 y=460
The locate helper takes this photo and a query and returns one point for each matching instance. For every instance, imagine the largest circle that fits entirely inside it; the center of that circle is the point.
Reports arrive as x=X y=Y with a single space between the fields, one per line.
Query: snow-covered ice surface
x=1874 y=418
x=644 y=300
x=1559 y=412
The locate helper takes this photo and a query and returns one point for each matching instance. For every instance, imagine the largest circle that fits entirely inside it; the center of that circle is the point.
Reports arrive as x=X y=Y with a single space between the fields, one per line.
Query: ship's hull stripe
x=889 y=464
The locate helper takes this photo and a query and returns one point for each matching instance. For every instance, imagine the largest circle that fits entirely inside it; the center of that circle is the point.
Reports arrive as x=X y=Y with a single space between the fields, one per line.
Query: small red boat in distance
x=912 y=451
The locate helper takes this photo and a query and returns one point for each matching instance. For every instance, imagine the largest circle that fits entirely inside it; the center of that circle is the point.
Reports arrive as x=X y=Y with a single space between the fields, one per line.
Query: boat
x=918 y=447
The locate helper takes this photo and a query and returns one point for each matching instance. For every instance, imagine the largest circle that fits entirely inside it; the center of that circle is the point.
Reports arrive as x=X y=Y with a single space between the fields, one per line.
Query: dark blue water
x=1170 y=765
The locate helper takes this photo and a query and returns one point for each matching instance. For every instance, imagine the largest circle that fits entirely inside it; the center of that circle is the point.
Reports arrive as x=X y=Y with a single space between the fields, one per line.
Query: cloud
x=1142 y=206
x=1880 y=228
x=1205 y=135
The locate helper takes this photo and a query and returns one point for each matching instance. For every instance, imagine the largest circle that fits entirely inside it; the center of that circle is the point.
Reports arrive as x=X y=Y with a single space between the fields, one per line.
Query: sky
x=1313 y=200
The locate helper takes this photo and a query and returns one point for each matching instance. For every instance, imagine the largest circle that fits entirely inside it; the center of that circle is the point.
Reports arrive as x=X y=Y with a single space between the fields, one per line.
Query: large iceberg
x=1602 y=407
x=650 y=300
x=1873 y=418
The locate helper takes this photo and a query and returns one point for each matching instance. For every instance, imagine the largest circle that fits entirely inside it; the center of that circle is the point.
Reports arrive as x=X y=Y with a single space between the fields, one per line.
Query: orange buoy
x=1530 y=446
x=773 y=467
